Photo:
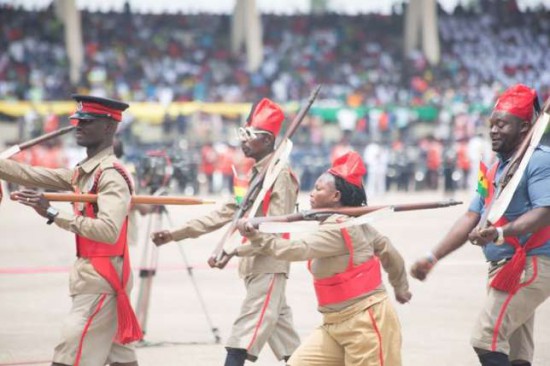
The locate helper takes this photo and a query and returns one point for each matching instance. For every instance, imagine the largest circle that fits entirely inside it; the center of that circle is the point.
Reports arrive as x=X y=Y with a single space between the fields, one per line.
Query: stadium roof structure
x=264 y=6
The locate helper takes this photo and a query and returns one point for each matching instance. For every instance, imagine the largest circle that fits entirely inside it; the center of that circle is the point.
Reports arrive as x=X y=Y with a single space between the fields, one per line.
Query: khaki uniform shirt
x=283 y=200
x=329 y=254
x=113 y=203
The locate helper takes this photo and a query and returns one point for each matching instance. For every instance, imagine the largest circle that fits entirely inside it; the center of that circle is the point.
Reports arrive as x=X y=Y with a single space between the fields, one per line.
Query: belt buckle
x=502 y=261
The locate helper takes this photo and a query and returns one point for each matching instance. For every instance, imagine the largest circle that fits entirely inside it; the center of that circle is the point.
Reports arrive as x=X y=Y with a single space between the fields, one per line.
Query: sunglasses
x=247 y=133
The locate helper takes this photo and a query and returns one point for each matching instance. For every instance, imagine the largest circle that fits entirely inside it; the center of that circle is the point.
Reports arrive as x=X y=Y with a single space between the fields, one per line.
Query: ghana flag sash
x=240 y=186
x=482 y=180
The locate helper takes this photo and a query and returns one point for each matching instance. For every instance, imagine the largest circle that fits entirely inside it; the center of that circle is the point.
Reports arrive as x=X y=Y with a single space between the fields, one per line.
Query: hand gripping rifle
x=263 y=180
x=513 y=172
x=6 y=154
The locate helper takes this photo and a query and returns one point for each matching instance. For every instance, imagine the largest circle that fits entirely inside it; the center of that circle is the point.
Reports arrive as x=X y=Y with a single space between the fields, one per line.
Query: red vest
x=99 y=255
x=353 y=282
x=508 y=278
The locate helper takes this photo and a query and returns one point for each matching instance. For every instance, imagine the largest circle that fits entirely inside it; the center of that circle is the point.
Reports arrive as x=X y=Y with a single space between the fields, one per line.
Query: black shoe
x=494 y=359
x=235 y=357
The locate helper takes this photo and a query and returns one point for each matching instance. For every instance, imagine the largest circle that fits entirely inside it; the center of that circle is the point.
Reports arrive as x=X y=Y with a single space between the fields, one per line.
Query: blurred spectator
x=376 y=156
x=433 y=161
x=209 y=159
x=341 y=147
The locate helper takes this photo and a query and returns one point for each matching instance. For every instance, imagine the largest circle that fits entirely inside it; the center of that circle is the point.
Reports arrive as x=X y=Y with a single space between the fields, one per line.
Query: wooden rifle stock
x=138 y=199
x=257 y=182
x=323 y=213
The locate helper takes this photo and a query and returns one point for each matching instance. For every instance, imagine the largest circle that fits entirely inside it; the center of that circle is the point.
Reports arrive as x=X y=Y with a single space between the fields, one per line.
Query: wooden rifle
x=137 y=199
x=6 y=154
x=258 y=181
x=321 y=214
x=11 y=151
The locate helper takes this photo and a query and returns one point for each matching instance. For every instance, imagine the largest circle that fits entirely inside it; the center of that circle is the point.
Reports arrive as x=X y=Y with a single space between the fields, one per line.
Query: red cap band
x=96 y=108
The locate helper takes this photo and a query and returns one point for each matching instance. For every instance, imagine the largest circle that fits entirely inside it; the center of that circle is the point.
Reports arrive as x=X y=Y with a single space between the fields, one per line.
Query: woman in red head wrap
x=360 y=326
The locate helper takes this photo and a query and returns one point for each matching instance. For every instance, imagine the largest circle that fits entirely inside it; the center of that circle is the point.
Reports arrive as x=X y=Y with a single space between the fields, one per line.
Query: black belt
x=496 y=264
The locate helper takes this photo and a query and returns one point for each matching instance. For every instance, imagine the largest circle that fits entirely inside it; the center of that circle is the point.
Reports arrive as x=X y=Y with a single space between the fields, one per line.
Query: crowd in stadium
x=187 y=57
x=174 y=57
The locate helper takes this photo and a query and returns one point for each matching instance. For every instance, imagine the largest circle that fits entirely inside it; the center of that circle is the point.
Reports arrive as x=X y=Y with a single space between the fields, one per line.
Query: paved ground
x=34 y=259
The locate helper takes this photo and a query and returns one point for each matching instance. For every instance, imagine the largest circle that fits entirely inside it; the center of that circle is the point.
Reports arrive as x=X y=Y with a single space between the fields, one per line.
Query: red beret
x=267 y=116
x=518 y=101
x=349 y=167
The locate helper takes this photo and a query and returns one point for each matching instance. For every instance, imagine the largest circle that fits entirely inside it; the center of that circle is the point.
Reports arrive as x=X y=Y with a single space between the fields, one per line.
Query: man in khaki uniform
x=94 y=333
x=360 y=326
x=265 y=315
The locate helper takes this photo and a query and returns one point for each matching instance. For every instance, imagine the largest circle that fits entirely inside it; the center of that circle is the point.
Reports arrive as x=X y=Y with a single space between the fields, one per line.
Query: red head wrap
x=518 y=101
x=349 y=167
x=267 y=116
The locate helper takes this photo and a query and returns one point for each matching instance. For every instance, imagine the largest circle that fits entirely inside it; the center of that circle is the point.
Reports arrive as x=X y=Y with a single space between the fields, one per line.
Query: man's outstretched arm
x=454 y=239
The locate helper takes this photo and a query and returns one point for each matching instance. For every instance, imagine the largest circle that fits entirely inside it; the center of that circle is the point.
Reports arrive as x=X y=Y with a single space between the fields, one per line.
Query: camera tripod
x=149 y=264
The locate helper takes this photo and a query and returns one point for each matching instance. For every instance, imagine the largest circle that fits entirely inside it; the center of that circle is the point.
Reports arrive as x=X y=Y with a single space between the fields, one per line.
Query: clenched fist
x=403 y=297
x=421 y=268
x=161 y=237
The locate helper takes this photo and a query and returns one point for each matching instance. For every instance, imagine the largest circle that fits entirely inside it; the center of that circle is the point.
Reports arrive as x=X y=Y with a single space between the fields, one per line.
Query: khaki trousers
x=265 y=317
x=88 y=332
x=506 y=321
x=365 y=334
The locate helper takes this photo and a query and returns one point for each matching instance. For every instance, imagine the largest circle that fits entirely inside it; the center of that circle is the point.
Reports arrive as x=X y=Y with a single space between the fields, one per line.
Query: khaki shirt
x=283 y=200
x=113 y=203
x=329 y=255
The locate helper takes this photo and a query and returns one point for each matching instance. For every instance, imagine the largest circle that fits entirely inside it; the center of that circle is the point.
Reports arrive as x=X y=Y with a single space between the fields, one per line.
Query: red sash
x=99 y=255
x=353 y=282
x=508 y=278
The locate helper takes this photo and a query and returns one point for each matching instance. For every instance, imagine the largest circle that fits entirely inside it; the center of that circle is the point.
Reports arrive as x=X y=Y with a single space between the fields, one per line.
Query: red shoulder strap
x=122 y=171
x=349 y=245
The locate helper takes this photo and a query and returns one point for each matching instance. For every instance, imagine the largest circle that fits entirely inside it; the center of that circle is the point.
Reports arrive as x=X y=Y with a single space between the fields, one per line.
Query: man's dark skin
x=506 y=132
x=95 y=135
x=256 y=148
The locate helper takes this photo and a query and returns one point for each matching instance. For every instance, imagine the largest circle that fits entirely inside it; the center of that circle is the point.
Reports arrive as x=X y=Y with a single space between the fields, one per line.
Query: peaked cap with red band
x=518 y=101
x=349 y=167
x=90 y=108
x=266 y=115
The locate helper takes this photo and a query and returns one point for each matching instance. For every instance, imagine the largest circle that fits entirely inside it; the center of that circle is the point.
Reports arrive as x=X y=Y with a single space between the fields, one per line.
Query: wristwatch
x=51 y=214
x=500 y=236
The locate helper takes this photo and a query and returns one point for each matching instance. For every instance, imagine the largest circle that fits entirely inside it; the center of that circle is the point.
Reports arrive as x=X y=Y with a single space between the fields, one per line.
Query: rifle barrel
x=138 y=199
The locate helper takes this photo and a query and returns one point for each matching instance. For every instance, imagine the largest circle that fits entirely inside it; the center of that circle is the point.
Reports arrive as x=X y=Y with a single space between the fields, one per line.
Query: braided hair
x=350 y=194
